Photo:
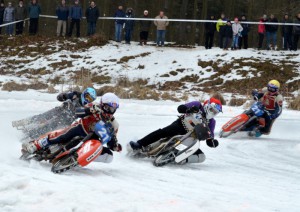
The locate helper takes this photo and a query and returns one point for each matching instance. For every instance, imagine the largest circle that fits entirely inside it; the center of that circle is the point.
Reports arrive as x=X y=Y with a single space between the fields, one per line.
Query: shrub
x=295 y=103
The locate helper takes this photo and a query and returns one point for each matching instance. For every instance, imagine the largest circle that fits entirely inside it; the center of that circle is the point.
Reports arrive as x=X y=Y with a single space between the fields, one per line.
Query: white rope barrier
x=6 y=24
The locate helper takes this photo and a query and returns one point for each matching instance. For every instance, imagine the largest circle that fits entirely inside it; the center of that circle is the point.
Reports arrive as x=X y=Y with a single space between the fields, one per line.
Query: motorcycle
x=56 y=118
x=246 y=122
x=177 y=148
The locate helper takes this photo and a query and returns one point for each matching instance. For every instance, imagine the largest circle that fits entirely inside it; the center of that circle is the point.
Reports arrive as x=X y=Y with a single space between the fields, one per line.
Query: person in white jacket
x=236 y=30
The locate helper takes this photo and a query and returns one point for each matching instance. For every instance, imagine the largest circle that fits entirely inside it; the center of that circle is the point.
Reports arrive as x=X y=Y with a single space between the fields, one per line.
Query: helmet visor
x=272 y=88
x=110 y=107
x=88 y=97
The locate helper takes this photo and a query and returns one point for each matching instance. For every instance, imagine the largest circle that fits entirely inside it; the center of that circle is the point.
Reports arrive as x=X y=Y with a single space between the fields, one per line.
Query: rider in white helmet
x=89 y=116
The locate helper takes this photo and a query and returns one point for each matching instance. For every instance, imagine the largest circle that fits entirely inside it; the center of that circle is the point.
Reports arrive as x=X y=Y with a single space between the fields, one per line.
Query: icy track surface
x=242 y=174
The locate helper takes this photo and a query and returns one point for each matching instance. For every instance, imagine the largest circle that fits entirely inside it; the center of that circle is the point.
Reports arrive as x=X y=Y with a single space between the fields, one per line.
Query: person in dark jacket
x=75 y=14
x=34 y=11
x=227 y=34
x=296 y=32
x=62 y=13
x=287 y=33
x=92 y=14
x=220 y=28
x=244 y=34
x=129 y=25
x=9 y=16
x=119 y=23
x=2 y=8
x=271 y=31
x=144 y=28
x=210 y=28
x=21 y=14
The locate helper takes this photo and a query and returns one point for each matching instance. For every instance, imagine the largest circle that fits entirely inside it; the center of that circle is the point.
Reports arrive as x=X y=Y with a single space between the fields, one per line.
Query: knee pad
x=198 y=158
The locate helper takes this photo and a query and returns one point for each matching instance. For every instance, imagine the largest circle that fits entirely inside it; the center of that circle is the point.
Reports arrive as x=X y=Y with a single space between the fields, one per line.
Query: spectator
x=227 y=34
x=119 y=23
x=261 y=32
x=210 y=28
x=243 y=40
x=2 y=8
x=9 y=16
x=287 y=33
x=62 y=13
x=75 y=14
x=21 y=14
x=271 y=31
x=161 y=28
x=296 y=32
x=129 y=25
x=92 y=14
x=144 y=29
x=34 y=11
x=220 y=28
x=236 y=30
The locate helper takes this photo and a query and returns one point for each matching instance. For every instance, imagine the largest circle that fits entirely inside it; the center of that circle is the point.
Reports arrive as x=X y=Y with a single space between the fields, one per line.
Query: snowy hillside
x=242 y=174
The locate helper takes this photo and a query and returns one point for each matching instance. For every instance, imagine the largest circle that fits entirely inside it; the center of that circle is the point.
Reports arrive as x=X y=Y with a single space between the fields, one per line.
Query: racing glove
x=117 y=147
x=95 y=109
x=255 y=94
x=212 y=143
x=62 y=97
x=193 y=109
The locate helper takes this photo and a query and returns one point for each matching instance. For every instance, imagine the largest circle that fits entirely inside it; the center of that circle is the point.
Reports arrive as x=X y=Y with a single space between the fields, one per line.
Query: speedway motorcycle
x=246 y=122
x=179 y=147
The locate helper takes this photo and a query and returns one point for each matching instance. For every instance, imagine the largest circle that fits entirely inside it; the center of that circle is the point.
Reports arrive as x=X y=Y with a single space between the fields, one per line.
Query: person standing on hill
x=129 y=25
x=2 y=8
x=75 y=15
x=9 y=16
x=227 y=33
x=34 y=11
x=243 y=40
x=236 y=30
x=220 y=28
x=144 y=29
x=210 y=28
x=92 y=14
x=271 y=30
x=287 y=33
x=119 y=23
x=21 y=14
x=261 y=32
x=161 y=28
x=296 y=32
x=62 y=13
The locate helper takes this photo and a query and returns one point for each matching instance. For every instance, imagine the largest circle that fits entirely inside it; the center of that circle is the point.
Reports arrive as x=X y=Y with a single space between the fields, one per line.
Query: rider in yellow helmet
x=272 y=100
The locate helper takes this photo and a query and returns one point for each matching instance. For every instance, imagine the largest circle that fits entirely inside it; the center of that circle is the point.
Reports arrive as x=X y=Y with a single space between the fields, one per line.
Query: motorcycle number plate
x=181 y=147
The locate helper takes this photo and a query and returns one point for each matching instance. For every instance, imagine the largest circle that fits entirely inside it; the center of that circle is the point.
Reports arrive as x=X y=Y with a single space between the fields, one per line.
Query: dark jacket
x=62 y=13
x=75 y=12
x=1 y=14
x=227 y=31
x=297 y=28
x=92 y=14
x=121 y=14
x=21 y=13
x=145 y=25
x=210 y=27
x=34 y=10
x=286 y=29
x=9 y=14
x=270 y=27
x=246 y=28
x=129 y=24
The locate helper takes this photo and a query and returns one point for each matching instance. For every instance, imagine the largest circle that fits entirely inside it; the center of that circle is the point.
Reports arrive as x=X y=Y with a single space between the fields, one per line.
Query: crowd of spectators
x=231 y=33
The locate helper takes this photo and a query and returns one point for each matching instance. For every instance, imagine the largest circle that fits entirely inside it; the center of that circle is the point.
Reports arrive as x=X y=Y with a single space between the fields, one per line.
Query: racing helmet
x=273 y=86
x=109 y=103
x=88 y=95
x=212 y=107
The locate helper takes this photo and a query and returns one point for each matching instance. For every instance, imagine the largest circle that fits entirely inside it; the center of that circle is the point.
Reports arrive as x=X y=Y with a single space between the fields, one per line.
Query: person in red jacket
x=261 y=32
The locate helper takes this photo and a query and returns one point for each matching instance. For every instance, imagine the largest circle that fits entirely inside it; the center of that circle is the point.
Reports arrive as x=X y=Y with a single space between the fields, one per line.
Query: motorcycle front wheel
x=164 y=159
x=64 y=164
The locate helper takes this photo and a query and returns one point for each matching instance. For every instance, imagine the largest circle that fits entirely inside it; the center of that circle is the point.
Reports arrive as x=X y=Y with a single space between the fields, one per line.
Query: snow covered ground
x=242 y=174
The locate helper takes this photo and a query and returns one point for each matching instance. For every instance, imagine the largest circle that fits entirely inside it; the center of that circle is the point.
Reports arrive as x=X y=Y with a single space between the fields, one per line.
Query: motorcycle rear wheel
x=164 y=159
x=64 y=164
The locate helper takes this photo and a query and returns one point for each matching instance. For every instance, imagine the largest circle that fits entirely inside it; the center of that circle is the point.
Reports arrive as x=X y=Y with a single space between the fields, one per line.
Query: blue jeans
x=9 y=28
x=271 y=36
x=128 y=33
x=91 y=28
x=160 y=37
x=118 y=32
x=235 y=41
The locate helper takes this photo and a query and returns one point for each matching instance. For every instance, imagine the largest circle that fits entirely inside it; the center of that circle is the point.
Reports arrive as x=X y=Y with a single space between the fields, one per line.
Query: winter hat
x=265 y=16
x=228 y=21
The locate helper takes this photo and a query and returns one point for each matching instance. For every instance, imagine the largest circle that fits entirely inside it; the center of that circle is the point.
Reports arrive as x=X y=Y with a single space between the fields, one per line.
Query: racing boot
x=33 y=146
x=133 y=146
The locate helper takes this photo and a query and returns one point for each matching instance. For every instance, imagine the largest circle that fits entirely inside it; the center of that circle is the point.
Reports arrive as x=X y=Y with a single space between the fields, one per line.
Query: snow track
x=242 y=174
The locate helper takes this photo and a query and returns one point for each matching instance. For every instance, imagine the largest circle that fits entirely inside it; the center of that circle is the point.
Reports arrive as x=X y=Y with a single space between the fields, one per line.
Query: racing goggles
x=88 y=97
x=215 y=108
x=272 y=88
x=110 y=107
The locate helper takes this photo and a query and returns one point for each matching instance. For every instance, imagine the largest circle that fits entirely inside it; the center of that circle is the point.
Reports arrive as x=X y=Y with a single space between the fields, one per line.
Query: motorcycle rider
x=208 y=110
x=89 y=116
x=77 y=98
x=272 y=100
